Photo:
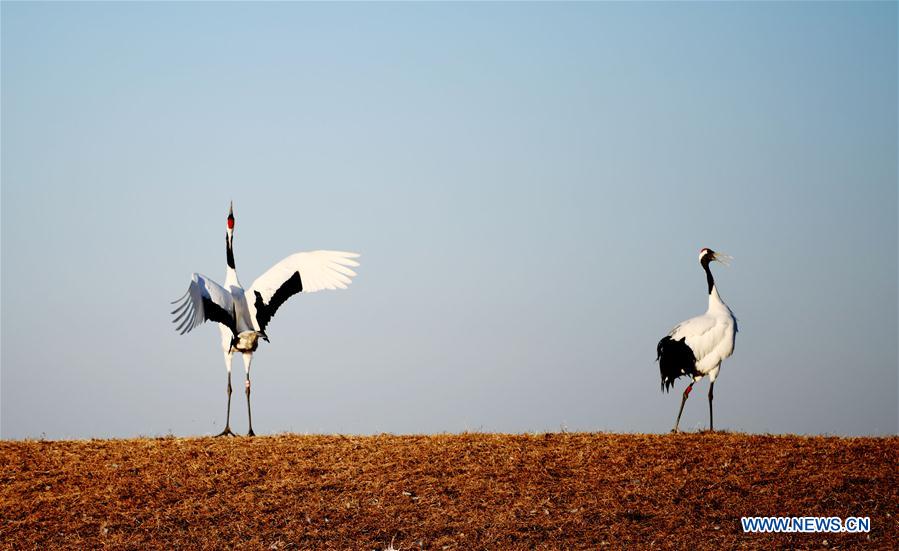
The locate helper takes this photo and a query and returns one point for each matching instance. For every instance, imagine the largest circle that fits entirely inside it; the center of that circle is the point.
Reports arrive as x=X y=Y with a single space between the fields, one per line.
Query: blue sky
x=529 y=186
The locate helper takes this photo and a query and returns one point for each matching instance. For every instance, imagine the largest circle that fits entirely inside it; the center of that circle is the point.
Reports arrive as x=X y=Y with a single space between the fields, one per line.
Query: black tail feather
x=675 y=360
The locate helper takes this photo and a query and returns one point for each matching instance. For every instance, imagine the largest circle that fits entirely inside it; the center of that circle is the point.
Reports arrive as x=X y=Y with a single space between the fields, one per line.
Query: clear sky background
x=529 y=186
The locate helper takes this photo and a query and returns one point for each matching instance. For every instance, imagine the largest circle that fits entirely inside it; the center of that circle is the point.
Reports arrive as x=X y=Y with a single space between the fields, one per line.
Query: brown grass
x=469 y=491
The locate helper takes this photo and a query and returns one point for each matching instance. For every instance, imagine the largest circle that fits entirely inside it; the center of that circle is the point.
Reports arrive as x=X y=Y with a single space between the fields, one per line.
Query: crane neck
x=715 y=302
x=229 y=245
x=708 y=276
x=231 y=274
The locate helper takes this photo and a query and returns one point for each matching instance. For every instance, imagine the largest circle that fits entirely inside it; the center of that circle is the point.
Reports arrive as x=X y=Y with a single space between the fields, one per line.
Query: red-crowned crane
x=697 y=347
x=243 y=315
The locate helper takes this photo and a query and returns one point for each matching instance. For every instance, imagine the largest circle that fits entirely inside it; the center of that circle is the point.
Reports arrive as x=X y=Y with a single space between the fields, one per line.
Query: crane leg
x=227 y=431
x=247 y=358
x=682 y=402
x=711 y=423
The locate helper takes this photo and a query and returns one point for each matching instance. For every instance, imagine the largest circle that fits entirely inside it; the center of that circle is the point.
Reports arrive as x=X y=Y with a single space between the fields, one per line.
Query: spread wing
x=204 y=300
x=298 y=273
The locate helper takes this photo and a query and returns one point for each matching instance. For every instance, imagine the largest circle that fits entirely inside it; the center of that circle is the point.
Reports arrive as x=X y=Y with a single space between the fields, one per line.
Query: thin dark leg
x=682 y=402
x=227 y=430
x=711 y=423
x=249 y=413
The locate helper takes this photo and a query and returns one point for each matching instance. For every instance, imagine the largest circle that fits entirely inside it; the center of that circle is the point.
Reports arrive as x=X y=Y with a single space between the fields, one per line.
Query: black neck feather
x=230 y=252
x=708 y=275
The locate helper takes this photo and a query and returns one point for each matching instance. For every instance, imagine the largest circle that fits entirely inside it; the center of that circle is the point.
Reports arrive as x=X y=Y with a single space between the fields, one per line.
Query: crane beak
x=723 y=258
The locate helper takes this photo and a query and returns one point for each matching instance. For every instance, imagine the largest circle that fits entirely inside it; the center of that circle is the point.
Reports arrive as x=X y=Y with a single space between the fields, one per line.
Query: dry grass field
x=468 y=491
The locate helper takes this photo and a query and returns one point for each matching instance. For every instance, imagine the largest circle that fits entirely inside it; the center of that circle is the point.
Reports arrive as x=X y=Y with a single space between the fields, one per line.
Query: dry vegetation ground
x=469 y=491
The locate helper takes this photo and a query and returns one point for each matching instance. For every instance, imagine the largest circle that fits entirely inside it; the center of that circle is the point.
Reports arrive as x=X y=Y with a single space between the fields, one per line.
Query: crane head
x=707 y=255
x=231 y=216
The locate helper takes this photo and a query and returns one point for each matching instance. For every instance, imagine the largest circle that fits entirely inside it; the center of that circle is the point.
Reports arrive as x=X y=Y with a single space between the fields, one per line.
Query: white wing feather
x=693 y=327
x=710 y=338
x=318 y=270
x=204 y=300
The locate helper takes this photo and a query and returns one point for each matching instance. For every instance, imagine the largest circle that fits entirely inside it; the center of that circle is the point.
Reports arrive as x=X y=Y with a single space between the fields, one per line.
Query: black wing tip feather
x=265 y=312
x=214 y=312
x=676 y=359
x=189 y=313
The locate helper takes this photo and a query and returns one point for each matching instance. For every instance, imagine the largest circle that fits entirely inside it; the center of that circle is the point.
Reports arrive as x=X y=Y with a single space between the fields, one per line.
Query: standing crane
x=696 y=347
x=243 y=315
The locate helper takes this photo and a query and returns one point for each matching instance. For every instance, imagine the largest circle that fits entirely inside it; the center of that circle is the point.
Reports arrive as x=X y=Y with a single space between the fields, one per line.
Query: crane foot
x=226 y=432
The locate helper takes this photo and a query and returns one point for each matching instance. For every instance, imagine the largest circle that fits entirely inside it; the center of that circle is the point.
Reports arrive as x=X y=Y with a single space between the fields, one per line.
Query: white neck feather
x=231 y=278
x=715 y=302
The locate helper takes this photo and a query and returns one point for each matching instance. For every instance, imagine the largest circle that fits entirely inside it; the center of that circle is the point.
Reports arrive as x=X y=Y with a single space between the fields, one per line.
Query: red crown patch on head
x=230 y=222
